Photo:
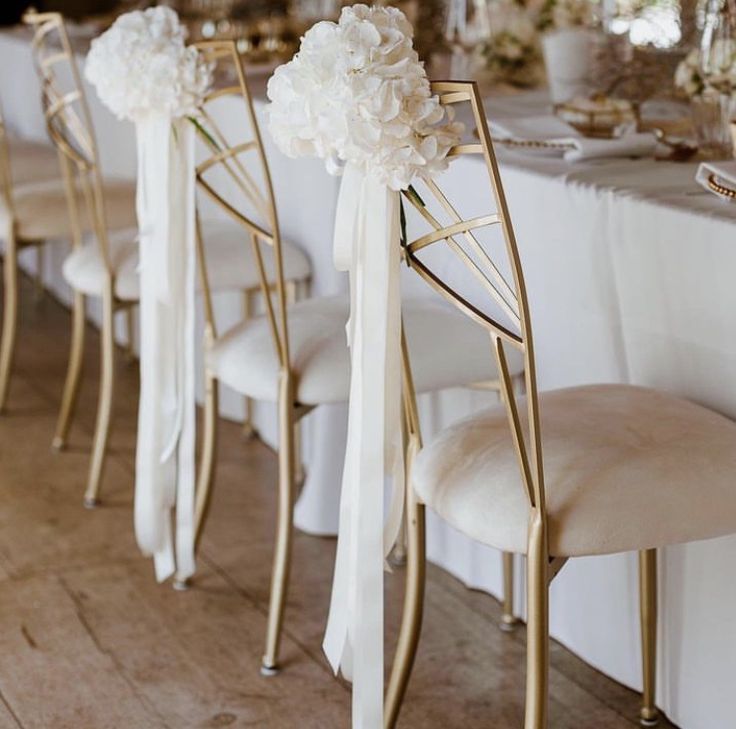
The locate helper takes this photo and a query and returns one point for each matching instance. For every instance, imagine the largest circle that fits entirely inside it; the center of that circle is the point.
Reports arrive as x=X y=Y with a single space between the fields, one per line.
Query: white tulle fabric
x=144 y=72
x=357 y=96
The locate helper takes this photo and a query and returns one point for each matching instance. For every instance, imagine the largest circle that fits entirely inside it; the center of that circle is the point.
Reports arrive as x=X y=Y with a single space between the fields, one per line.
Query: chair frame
x=73 y=135
x=276 y=297
x=541 y=566
x=14 y=243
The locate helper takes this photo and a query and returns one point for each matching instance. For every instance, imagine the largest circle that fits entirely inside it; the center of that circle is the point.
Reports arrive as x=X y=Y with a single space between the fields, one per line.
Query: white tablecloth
x=630 y=269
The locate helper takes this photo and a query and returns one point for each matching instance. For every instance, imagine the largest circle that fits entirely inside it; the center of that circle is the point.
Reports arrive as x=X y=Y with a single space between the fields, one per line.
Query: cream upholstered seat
x=245 y=359
x=32 y=162
x=230 y=263
x=623 y=464
x=41 y=212
x=85 y=271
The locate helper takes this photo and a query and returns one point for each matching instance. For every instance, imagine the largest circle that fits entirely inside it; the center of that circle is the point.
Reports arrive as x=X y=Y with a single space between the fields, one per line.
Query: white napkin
x=550 y=129
x=725 y=175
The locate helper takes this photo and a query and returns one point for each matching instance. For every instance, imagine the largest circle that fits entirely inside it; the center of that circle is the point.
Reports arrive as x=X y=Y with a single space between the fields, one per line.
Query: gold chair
x=27 y=170
x=294 y=355
x=106 y=266
x=100 y=265
x=620 y=470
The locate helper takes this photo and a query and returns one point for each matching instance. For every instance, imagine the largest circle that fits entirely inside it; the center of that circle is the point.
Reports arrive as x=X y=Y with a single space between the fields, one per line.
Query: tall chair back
x=69 y=125
x=494 y=265
x=235 y=176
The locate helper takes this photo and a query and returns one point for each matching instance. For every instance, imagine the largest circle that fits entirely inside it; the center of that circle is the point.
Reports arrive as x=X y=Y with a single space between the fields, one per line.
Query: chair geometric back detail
x=235 y=176
x=499 y=274
x=69 y=124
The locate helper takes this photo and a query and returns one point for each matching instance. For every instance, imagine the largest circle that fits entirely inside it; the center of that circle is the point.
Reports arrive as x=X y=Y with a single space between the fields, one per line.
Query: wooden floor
x=88 y=640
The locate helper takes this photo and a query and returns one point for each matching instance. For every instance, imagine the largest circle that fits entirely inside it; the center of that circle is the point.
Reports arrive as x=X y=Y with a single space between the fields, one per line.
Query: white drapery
x=164 y=493
x=367 y=245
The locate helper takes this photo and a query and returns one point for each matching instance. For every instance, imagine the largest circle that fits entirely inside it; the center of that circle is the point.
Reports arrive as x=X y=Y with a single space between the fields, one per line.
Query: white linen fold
x=722 y=173
x=565 y=141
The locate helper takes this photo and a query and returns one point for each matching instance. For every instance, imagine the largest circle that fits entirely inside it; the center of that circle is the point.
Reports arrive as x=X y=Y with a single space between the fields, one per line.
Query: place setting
x=377 y=363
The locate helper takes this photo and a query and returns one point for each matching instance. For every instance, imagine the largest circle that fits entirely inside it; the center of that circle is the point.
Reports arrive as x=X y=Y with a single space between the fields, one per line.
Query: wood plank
x=43 y=524
x=53 y=672
x=195 y=656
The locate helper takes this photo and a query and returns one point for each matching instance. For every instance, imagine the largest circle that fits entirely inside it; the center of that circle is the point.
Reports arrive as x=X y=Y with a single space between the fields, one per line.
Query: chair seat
x=626 y=468
x=41 y=209
x=84 y=269
x=230 y=262
x=32 y=162
x=245 y=359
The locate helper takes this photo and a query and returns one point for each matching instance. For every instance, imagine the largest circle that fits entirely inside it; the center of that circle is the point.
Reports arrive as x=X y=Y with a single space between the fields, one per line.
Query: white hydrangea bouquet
x=356 y=93
x=357 y=97
x=142 y=66
x=144 y=72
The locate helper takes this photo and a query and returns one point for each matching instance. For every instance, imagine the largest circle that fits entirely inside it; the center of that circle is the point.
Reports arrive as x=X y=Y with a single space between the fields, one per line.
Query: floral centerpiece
x=568 y=46
x=512 y=52
x=566 y=14
x=144 y=72
x=712 y=96
x=693 y=82
x=357 y=97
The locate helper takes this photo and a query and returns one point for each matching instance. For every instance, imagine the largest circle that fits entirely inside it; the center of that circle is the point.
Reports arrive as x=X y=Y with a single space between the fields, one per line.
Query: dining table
x=630 y=267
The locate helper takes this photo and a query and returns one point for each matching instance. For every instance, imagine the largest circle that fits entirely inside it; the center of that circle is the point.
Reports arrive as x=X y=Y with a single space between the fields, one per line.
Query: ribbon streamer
x=367 y=245
x=166 y=415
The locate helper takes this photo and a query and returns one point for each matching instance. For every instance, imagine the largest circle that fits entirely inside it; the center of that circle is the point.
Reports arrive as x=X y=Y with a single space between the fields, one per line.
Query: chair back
x=69 y=124
x=6 y=180
x=483 y=245
x=235 y=176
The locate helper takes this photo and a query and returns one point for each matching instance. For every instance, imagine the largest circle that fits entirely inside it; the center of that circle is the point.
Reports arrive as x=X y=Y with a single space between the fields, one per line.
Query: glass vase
x=711 y=115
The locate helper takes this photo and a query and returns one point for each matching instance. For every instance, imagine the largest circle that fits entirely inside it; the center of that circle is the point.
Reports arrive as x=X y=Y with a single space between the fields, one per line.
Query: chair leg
x=104 y=404
x=208 y=460
x=10 y=316
x=411 y=619
x=508 y=619
x=129 y=334
x=73 y=374
x=537 y=638
x=38 y=289
x=284 y=528
x=649 y=716
x=249 y=430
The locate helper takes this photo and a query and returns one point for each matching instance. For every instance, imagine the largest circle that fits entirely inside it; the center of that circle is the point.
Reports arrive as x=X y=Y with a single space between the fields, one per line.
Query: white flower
x=141 y=66
x=694 y=79
x=571 y=13
x=356 y=93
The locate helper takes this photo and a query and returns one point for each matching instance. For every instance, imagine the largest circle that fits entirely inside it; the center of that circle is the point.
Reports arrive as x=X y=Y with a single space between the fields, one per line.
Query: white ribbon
x=367 y=245
x=166 y=414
